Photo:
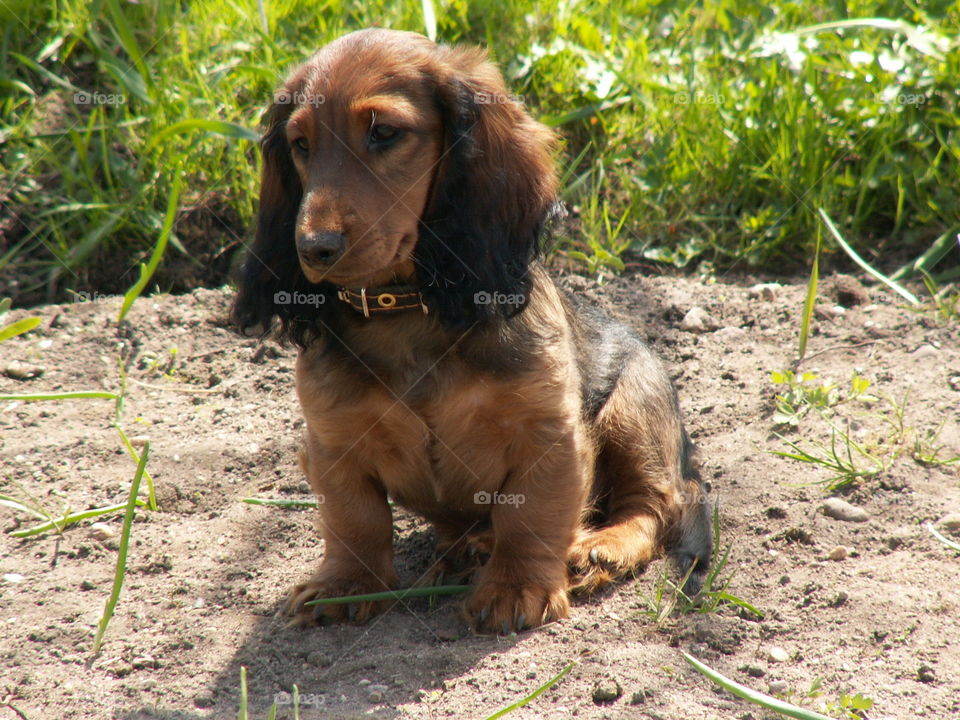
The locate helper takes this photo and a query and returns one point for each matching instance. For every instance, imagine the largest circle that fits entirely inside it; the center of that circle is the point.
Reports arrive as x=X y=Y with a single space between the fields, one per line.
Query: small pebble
x=777 y=687
x=697 y=320
x=925 y=674
x=605 y=691
x=777 y=654
x=375 y=697
x=22 y=371
x=839 y=553
x=144 y=661
x=730 y=333
x=950 y=522
x=842 y=510
x=320 y=659
x=755 y=671
x=925 y=351
x=764 y=291
x=101 y=532
x=13 y=577
x=849 y=291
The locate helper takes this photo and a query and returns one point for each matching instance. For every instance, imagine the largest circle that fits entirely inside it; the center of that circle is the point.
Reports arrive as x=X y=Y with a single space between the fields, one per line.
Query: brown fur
x=440 y=415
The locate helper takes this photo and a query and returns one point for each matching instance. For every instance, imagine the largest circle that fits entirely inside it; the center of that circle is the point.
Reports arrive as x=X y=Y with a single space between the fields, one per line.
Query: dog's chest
x=434 y=440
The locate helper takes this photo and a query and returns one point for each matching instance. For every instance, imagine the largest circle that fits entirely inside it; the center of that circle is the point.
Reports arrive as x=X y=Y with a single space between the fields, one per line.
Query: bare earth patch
x=207 y=572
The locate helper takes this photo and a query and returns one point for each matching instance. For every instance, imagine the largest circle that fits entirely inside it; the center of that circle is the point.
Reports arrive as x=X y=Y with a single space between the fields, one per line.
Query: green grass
x=694 y=134
x=823 y=412
x=667 y=597
x=847 y=707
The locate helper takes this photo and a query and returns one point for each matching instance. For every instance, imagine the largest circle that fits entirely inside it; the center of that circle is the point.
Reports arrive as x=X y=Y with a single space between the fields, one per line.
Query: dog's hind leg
x=649 y=491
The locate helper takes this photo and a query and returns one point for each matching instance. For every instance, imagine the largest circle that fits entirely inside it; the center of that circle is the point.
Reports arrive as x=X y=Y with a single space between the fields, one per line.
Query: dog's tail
x=692 y=544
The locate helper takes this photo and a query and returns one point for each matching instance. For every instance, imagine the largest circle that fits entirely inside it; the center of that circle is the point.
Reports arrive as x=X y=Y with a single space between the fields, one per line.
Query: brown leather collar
x=383 y=300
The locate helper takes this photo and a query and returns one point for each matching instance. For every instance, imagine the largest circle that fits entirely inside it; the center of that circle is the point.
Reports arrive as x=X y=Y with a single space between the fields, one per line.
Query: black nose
x=321 y=247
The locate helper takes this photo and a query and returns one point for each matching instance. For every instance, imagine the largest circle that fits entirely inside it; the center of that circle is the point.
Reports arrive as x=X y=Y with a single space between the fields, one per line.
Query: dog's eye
x=301 y=145
x=382 y=136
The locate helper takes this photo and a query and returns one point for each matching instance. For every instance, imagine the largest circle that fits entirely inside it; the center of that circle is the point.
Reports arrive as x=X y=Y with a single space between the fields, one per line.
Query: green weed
x=668 y=597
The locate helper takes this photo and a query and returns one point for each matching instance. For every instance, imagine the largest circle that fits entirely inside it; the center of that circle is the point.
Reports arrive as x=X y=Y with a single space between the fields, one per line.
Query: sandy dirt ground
x=867 y=606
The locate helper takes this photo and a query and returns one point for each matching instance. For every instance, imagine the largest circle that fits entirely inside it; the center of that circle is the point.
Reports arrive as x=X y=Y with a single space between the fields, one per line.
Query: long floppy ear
x=271 y=275
x=494 y=189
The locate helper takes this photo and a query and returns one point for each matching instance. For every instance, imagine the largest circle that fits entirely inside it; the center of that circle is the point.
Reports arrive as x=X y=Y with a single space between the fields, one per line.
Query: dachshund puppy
x=403 y=201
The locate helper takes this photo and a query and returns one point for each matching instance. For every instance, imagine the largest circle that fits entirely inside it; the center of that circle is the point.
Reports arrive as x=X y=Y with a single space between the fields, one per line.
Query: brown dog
x=403 y=200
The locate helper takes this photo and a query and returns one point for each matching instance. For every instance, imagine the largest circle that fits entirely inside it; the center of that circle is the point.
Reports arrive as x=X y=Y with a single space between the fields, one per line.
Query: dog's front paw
x=323 y=586
x=500 y=606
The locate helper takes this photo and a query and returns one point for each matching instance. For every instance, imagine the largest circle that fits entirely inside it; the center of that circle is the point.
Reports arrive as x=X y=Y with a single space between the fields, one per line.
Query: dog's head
x=387 y=160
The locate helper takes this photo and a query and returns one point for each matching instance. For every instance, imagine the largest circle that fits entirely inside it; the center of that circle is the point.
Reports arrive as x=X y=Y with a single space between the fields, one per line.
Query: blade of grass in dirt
x=413 y=592
x=934 y=254
x=897 y=288
x=147 y=270
x=242 y=714
x=536 y=693
x=62 y=522
x=151 y=495
x=945 y=540
x=738 y=601
x=279 y=502
x=74 y=395
x=14 y=504
x=811 y=300
x=121 y=570
x=429 y=19
x=18 y=328
x=758 y=698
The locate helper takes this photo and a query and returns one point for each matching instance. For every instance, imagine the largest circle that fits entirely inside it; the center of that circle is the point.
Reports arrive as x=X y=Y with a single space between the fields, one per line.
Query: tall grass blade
x=128 y=40
x=242 y=714
x=14 y=504
x=811 y=300
x=60 y=523
x=147 y=270
x=281 y=502
x=945 y=540
x=933 y=254
x=122 y=552
x=215 y=127
x=76 y=395
x=899 y=289
x=429 y=19
x=151 y=494
x=758 y=698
